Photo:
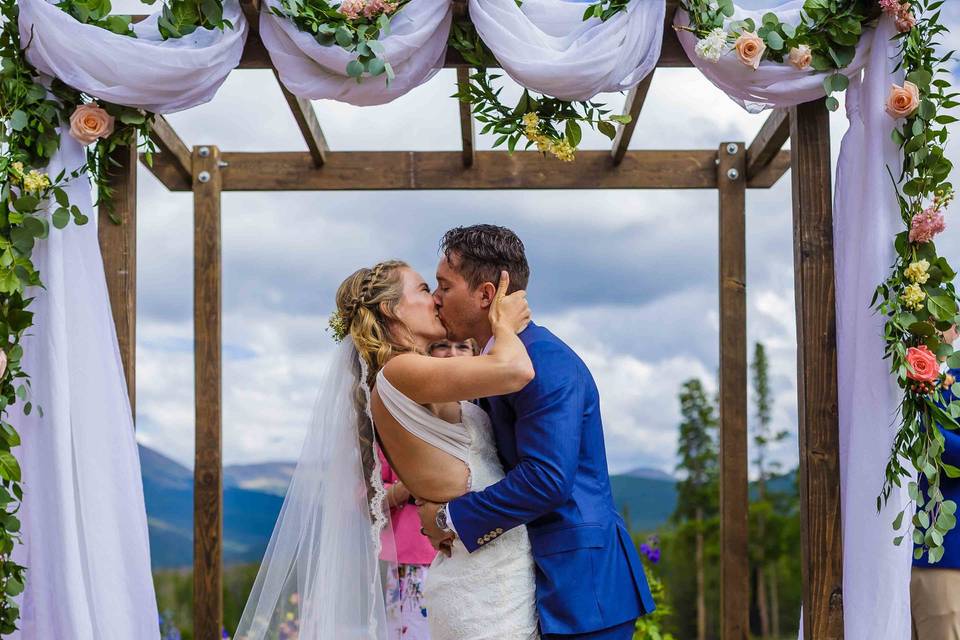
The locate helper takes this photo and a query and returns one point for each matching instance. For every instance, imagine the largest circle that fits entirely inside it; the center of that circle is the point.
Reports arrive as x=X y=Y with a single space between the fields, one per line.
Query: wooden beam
x=467 y=134
x=208 y=470
x=769 y=175
x=170 y=144
x=307 y=122
x=251 y=10
x=769 y=141
x=819 y=433
x=631 y=107
x=734 y=561
x=442 y=170
x=118 y=246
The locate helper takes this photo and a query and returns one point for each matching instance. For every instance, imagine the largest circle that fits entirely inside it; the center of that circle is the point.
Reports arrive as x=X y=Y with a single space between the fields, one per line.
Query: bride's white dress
x=489 y=594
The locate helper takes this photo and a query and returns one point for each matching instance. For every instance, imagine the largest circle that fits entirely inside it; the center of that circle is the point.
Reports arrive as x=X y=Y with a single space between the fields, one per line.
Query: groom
x=590 y=583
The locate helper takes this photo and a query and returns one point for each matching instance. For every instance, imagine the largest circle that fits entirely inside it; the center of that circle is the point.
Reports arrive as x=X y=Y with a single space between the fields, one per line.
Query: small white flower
x=713 y=46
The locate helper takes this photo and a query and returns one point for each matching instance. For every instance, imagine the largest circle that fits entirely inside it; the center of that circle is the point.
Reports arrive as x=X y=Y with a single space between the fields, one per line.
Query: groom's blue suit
x=590 y=582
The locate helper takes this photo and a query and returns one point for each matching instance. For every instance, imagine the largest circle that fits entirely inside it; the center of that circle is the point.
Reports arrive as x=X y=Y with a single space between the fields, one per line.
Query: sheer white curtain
x=876 y=574
x=415 y=49
x=546 y=46
x=84 y=525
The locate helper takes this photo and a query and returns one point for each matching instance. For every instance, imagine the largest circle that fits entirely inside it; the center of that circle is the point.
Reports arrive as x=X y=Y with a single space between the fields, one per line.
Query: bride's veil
x=321 y=576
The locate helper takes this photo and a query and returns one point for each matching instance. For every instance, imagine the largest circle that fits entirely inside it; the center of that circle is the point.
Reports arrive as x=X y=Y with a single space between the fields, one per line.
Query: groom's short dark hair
x=484 y=250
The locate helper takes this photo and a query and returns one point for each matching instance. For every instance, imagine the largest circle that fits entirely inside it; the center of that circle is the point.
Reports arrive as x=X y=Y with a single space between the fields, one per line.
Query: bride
x=321 y=578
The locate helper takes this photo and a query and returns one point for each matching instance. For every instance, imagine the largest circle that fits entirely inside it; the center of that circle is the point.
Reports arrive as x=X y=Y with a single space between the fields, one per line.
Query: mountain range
x=253 y=495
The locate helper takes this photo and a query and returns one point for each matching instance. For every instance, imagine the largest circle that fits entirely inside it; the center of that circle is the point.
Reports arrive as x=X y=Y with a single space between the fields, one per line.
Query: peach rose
x=905 y=21
x=89 y=122
x=903 y=101
x=801 y=57
x=922 y=363
x=750 y=48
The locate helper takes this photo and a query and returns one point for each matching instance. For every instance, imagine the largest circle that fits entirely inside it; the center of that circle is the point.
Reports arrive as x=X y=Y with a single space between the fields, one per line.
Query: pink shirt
x=412 y=546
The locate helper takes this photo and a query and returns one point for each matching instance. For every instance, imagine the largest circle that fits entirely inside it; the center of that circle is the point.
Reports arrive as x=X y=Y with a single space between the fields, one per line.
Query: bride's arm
x=505 y=369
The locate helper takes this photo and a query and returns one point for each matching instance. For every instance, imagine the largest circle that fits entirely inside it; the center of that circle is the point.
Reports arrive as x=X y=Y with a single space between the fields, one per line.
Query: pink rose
x=903 y=101
x=922 y=363
x=750 y=48
x=801 y=57
x=905 y=20
x=351 y=9
x=3 y=363
x=89 y=123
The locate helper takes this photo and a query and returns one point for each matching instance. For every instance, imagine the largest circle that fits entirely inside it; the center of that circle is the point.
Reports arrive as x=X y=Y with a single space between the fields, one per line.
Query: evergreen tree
x=698 y=491
x=765 y=548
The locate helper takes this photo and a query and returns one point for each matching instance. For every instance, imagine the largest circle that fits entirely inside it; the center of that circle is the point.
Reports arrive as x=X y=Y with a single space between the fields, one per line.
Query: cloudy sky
x=628 y=278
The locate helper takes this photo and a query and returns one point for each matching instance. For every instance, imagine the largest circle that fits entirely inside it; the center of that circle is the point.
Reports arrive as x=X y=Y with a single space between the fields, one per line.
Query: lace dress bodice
x=491 y=593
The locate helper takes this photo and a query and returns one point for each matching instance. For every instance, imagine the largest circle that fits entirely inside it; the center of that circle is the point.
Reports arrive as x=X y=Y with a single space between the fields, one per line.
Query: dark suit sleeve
x=548 y=424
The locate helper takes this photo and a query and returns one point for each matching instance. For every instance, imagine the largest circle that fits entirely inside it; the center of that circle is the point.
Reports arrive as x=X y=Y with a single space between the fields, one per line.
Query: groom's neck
x=482 y=335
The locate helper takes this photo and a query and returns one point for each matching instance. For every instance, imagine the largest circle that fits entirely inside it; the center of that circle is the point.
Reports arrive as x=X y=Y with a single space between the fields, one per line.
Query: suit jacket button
x=479 y=540
x=499 y=530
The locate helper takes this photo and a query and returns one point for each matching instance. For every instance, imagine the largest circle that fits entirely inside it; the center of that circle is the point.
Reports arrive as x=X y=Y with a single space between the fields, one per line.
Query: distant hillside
x=248 y=516
x=253 y=495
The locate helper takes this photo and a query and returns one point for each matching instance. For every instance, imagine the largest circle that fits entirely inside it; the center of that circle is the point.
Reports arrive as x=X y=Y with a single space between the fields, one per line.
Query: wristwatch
x=442 y=520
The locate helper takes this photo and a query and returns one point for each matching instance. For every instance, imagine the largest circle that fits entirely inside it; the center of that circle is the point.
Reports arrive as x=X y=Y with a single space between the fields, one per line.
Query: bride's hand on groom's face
x=512 y=312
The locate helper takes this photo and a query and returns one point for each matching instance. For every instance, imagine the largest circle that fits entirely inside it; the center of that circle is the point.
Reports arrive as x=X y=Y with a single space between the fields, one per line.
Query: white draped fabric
x=148 y=72
x=546 y=46
x=84 y=525
x=415 y=48
x=876 y=574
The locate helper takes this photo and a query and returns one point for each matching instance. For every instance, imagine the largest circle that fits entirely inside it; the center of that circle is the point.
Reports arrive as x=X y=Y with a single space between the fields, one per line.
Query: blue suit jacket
x=950 y=488
x=550 y=440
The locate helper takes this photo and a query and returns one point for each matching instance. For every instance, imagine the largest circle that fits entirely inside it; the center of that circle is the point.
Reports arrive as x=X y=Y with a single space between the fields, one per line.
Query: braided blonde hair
x=366 y=302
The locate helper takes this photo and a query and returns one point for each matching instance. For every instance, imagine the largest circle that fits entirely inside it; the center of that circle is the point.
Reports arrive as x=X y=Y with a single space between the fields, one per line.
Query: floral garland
x=33 y=109
x=354 y=25
x=918 y=299
x=551 y=124
x=825 y=40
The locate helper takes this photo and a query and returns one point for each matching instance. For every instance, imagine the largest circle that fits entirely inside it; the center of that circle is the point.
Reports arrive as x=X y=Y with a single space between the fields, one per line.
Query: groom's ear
x=487 y=291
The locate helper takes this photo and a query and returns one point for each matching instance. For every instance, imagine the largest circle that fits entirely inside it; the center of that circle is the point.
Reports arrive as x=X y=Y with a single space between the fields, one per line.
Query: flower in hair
x=338 y=325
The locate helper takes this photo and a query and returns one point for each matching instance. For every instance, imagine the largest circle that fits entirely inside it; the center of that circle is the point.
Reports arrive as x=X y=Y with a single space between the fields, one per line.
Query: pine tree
x=763 y=437
x=698 y=492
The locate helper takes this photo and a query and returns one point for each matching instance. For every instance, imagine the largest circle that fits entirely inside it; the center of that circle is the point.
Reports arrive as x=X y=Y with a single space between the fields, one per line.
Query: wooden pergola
x=730 y=169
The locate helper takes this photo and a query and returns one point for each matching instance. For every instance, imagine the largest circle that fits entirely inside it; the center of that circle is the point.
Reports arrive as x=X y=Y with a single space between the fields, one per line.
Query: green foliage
x=551 y=124
x=921 y=185
x=360 y=36
x=697 y=447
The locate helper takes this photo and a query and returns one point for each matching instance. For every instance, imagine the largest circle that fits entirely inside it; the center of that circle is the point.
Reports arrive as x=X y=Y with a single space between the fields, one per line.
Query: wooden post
x=118 y=246
x=734 y=563
x=208 y=481
x=819 y=432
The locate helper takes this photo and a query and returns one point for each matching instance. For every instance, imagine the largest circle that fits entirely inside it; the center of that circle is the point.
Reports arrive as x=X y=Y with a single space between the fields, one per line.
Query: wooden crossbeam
x=766 y=146
x=467 y=135
x=443 y=170
x=170 y=144
x=309 y=125
x=632 y=107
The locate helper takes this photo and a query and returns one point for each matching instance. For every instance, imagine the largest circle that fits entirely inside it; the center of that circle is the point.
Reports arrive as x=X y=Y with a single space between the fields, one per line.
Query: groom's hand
x=440 y=539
